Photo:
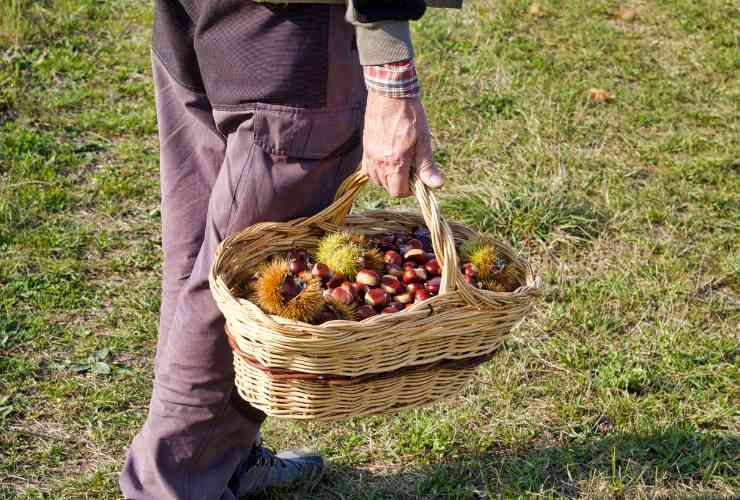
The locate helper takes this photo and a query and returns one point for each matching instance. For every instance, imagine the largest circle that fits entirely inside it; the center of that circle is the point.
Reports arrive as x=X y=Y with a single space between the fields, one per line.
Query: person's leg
x=278 y=163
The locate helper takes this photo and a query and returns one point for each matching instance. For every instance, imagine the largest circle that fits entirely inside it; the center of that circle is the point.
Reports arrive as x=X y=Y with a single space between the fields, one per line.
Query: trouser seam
x=171 y=75
x=244 y=168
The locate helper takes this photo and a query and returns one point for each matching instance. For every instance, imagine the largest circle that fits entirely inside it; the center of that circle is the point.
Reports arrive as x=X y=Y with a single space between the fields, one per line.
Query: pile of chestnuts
x=353 y=277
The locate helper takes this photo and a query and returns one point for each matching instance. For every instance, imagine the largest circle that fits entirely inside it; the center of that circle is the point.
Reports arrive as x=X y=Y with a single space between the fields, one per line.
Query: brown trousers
x=224 y=167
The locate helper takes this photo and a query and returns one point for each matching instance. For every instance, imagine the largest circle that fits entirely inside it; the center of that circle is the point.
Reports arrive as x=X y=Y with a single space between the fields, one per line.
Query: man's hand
x=396 y=137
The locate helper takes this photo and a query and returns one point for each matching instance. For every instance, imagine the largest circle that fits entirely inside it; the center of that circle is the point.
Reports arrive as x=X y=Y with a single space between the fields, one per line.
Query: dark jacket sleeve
x=382 y=26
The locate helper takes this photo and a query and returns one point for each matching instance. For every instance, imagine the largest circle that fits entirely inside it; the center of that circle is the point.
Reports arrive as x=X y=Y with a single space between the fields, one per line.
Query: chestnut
x=405 y=298
x=415 y=255
x=415 y=243
x=290 y=289
x=368 y=277
x=393 y=307
x=409 y=276
x=321 y=271
x=414 y=275
x=341 y=294
x=358 y=289
x=414 y=287
x=297 y=266
x=347 y=285
x=394 y=270
x=391 y=284
x=392 y=257
x=432 y=285
x=376 y=297
x=421 y=295
x=336 y=280
x=364 y=312
x=432 y=267
x=469 y=269
x=297 y=255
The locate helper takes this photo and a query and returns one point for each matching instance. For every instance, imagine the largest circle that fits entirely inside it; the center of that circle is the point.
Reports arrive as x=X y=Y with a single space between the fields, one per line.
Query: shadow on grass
x=669 y=460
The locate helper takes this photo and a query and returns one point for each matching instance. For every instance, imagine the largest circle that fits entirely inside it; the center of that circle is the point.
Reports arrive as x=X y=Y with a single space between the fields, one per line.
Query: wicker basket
x=384 y=363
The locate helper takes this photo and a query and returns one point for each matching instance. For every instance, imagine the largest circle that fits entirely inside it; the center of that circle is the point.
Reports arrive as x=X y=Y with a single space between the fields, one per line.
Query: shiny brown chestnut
x=432 y=267
x=414 y=287
x=391 y=284
x=415 y=255
x=321 y=271
x=393 y=307
x=415 y=243
x=392 y=257
x=368 y=277
x=433 y=284
x=394 y=270
x=421 y=295
x=376 y=297
x=336 y=280
x=364 y=311
x=341 y=294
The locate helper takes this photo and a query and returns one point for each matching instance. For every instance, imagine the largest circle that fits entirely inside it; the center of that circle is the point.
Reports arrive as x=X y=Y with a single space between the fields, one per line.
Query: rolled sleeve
x=381 y=42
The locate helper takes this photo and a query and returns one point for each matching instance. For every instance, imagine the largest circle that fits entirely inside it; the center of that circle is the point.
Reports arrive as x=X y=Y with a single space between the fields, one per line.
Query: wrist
x=398 y=80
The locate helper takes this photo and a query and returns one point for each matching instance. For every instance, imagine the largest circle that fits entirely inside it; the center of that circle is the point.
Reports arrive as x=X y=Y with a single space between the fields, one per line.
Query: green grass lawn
x=623 y=384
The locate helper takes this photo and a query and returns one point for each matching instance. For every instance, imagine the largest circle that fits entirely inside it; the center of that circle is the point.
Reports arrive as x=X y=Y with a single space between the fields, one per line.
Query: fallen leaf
x=599 y=95
x=626 y=14
x=536 y=10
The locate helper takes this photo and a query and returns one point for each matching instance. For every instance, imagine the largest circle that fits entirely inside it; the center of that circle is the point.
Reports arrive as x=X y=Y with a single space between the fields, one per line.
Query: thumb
x=426 y=167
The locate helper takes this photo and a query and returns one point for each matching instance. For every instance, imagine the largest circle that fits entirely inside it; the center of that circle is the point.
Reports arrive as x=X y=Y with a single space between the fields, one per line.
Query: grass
x=623 y=384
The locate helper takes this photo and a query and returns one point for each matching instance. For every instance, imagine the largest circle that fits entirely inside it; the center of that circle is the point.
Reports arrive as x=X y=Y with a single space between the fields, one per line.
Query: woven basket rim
x=530 y=290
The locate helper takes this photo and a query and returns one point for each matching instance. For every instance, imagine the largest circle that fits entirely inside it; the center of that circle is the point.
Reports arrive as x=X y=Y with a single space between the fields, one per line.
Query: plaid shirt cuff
x=393 y=80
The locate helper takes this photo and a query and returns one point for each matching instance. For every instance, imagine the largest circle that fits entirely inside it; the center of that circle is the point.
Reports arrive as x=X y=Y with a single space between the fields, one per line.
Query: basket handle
x=443 y=241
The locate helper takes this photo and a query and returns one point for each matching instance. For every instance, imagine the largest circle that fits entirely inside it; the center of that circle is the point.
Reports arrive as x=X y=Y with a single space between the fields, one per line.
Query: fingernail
x=434 y=180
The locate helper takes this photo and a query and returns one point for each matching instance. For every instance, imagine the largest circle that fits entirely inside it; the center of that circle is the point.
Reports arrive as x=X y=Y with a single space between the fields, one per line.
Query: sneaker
x=266 y=469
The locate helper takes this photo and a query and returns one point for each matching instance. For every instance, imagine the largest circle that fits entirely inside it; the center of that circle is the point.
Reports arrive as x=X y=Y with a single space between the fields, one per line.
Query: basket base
x=304 y=400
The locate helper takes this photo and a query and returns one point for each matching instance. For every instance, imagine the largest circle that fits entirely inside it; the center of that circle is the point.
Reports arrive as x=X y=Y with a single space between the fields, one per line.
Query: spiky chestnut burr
x=373 y=260
x=482 y=254
x=509 y=276
x=280 y=292
x=346 y=254
x=505 y=281
x=333 y=310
